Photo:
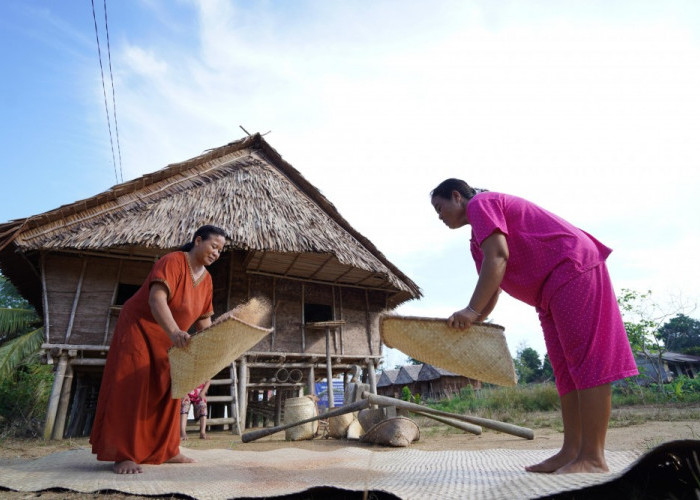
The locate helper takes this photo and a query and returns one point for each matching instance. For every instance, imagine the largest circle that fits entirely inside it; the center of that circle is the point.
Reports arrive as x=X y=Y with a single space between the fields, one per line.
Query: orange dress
x=136 y=417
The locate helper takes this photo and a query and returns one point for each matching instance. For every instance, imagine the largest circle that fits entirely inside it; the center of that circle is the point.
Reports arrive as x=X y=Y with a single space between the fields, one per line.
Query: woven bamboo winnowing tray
x=481 y=352
x=210 y=351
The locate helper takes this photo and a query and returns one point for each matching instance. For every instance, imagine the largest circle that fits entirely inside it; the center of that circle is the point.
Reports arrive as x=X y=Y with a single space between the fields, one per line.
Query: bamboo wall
x=80 y=291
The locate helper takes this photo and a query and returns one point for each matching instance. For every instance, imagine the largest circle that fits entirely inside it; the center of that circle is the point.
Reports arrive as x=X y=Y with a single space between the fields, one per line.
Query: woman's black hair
x=203 y=232
x=445 y=188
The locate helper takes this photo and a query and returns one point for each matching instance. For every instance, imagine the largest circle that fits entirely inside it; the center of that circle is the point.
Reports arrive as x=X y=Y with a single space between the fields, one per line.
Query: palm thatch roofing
x=265 y=205
x=387 y=378
x=430 y=372
x=408 y=374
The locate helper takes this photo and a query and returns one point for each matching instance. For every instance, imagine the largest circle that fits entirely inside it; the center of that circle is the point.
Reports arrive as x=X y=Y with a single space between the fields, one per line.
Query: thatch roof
x=387 y=378
x=265 y=205
x=408 y=374
x=430 y=372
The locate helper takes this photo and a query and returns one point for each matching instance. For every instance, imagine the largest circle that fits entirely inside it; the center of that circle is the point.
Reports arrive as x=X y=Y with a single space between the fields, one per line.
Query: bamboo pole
x=55 y=395
x=44 y=296
x=242 y=390
x=62 y=410
x=234 y=410
x=76 y=298
x=329 y=368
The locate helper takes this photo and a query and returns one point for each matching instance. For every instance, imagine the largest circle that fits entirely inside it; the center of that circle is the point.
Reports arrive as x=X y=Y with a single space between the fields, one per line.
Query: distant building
x=430 y=382
x=672 y=365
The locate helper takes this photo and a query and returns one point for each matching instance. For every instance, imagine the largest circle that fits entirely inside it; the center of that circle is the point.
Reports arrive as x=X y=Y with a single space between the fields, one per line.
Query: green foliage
x=9 y=297
x=547 y=370
x=407 y=396
x=18 y=351
x=680 y=333
x=536 y=397
x=527 y=365
x=25 y=383
x=680 y=390
x=24 y=400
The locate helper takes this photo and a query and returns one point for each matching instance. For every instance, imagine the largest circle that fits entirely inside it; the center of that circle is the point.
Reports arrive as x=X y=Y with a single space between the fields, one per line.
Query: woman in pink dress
x=546 y=262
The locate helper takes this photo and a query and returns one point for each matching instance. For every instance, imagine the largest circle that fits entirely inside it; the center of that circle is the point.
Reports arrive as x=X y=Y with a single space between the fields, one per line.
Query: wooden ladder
x=223 y=394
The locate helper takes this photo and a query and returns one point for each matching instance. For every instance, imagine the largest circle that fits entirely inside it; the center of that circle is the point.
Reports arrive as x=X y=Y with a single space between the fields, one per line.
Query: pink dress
x=560 y=270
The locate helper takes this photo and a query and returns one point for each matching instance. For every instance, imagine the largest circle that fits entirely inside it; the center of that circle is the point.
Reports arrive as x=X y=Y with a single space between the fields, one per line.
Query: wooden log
x=465 y=426
x=515 y=430
x=55 y=396
x=357 y=406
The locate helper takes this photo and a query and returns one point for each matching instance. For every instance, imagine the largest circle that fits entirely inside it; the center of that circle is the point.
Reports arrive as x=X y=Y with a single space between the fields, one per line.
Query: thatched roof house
x=76 y=264
x=431 y=382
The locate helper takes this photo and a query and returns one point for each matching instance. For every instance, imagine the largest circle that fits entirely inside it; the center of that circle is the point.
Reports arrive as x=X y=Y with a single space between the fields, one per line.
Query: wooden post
x=233 y=410
x=62 y=410
x=312 y=381
x=69 y=330
x=371 y=375
x=114 y=299
x=278 y=406
x=274 y=315
x=55 y=395
x=340 y=302
x=303 y=320
x=329 y=368
x=368 y=324
x=243 y=390
x=45 y=297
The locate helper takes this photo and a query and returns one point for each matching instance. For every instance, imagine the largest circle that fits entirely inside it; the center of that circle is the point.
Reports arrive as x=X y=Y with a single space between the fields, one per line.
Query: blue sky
x=588 y=108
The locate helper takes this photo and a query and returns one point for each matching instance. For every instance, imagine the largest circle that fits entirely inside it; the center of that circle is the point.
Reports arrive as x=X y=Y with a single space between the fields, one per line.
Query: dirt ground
x=637 y=430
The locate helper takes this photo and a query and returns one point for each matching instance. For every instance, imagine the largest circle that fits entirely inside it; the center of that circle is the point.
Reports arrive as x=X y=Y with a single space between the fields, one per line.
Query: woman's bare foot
x=180 y=459
x=552 y=464
x=183 y=437
x=203 y=436
x=127 y=467
x=581 y=466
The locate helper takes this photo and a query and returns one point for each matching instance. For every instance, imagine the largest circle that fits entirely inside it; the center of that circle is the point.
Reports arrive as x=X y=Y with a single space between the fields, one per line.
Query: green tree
x=528 y=365
x=547 y=370
x=20 y=331
x=680 y=333
x=643 y=319
x=25 y=382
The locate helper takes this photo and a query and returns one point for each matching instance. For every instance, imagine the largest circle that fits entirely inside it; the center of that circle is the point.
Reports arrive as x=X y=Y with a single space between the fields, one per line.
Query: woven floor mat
x=222 y=474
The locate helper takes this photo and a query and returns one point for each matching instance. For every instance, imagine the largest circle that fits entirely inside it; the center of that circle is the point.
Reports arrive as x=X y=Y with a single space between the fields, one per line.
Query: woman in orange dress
x=137 y=419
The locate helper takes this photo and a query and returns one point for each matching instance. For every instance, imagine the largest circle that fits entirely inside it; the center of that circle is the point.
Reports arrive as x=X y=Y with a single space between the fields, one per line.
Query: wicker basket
x=480 y=353
x=396 y=431
x=296 y=410
x=210 y=351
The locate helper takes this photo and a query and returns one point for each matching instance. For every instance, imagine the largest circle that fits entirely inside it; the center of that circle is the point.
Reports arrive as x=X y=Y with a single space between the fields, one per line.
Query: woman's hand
x=179 y=338
x=463 y=319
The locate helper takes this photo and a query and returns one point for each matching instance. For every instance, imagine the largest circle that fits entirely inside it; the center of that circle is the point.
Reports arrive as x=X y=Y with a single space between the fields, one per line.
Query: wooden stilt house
x=327 y=283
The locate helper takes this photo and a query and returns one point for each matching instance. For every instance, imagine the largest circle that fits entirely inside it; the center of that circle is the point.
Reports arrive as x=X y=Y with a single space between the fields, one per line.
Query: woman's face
x=451 y=211
x=206 y=252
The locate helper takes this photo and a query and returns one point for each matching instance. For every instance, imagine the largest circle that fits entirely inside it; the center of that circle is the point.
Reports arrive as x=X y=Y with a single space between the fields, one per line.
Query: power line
x=114 y=102
x=104 y=92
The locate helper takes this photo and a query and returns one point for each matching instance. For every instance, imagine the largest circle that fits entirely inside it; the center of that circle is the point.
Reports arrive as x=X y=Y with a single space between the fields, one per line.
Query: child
x=198 y=400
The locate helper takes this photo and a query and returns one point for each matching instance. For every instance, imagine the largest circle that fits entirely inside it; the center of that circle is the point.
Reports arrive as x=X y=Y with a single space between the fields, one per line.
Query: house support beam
x=242 y=390
x=55 y=394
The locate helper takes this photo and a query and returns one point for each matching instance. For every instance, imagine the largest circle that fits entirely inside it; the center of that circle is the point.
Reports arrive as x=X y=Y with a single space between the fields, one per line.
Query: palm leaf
x=16 y=351
x=15 y=321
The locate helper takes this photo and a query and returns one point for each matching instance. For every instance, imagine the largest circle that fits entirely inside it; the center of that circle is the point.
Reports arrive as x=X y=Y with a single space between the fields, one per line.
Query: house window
x=124 y=293
x=317 y=312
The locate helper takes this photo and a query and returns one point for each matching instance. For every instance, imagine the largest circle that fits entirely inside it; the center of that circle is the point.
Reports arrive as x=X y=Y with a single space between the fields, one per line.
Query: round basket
x=338 y=426
x=396 y=431
x=295 y=410
x=480 y=353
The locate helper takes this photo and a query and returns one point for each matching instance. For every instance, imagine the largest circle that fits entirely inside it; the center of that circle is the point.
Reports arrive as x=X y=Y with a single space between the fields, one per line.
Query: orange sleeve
x=169 y=271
